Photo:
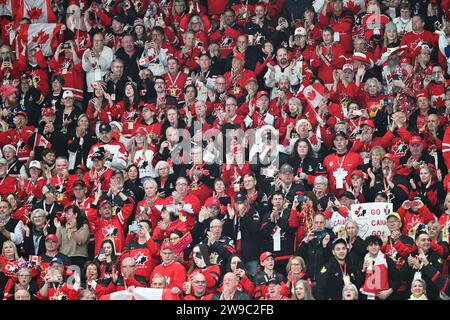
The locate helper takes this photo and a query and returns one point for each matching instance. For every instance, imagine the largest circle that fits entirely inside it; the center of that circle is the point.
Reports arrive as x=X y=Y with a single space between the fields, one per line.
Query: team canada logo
x=226 y=42
x=140 y=258
x=34 y=13
x=110 y=231
x=40 y=38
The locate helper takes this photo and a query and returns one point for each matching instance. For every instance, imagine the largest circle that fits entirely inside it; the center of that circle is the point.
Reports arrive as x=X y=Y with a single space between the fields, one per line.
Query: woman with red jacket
x=235 y=168
x=151 y=202
x=129 y=108
x=30 y=189
x=32 y=62
x=170 y=221
x=236 y=266
x=101 y=108
x=201 y=264
x=369 y=97
x=107 y=260
x=296 y=270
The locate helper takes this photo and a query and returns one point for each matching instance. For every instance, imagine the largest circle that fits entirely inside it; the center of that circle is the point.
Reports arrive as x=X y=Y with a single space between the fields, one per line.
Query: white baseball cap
x=35 y=164
x=67 y=94
x=300 y=31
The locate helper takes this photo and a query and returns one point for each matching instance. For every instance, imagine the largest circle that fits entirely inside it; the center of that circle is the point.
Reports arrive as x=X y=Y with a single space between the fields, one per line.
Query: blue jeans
x=252 y=267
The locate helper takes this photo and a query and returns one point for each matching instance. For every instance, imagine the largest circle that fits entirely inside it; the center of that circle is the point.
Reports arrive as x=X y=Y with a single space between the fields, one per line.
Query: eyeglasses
x=172 y=239
x=199 y=282
x=181 y=184
x=230 y=105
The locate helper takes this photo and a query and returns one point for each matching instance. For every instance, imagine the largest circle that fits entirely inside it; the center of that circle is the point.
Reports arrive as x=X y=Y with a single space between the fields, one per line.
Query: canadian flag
x=314 y=94
x=96 y=85
x=38 y=11
x=7 y=8
x=141 y=294
x=40 y=141
x=43 y=34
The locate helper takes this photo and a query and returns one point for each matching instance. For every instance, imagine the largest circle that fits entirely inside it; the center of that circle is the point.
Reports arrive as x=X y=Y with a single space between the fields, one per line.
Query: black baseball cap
x=340 y=133
x=98 y=155
x=337 y=241
x=105 y=127
x=347 y=194
x=79 y=183
x=240 y=197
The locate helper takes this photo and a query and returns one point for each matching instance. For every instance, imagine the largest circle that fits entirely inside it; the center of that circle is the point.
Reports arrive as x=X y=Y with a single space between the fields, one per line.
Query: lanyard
x=343 y=270
x=341 y=164
x=170 y=78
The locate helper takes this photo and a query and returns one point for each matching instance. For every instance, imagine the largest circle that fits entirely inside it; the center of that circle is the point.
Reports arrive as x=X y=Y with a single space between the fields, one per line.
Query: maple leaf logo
x=40 y=38
x=34 y=13
x=311 y=95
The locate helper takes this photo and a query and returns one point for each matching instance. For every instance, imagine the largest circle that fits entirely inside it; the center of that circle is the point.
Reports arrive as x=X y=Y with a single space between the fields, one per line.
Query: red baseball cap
x=422 y=94
x=252 y=79
x=140 y=130
x=389 y=156
x=52 y=237
x=416 y=140
x=48 y=112
x=261 y=93
x=166 y=246
x=358 y=173
x=103 y=202
x=148 y=106
x=212 y=202
x=264 y=256
x=21 y=113
x=368 y=123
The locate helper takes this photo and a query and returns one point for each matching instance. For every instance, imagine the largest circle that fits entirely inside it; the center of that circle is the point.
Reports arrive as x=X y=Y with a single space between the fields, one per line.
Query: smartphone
x=66 y=46
x=357 y=112
x=134 y=227
x=198 y=255
x=240 y=265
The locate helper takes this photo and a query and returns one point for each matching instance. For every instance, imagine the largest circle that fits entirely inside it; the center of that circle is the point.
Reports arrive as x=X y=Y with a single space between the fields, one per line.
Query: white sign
x=371 y=218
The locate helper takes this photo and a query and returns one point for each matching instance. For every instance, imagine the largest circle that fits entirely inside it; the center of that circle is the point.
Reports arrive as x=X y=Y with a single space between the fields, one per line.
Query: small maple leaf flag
x=38 y=11
x=314 y=94
x=43 y=34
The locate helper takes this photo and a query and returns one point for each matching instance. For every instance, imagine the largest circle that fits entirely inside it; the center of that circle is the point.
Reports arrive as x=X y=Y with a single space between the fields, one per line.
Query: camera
x=300 y=198
x=134 y=227
x=432 y=78
x=320 y=234
x=388 y=101
x=65 y=46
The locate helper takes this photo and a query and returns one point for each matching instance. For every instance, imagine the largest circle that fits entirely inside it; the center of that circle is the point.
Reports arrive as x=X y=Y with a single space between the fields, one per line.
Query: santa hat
x=314 y=94
x=7 y=90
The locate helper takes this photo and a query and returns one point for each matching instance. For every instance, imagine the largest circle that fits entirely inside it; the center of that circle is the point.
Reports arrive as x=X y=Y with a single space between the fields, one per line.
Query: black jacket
x=407 y=273
x=28 y=243
x=249 y=225
x=330 y=281
x=357 y=252
x=131 y=68
x=239 y=295
x=268 y=229
x=315 y=255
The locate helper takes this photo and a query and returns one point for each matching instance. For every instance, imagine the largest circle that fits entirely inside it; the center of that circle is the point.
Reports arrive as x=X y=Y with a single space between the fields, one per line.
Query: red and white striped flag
x=38 y=11
x=143 y=61
x=40 y=141
x=96 y=85
x=43 y=34
x=314 y=94
x=7 y=8
x=34 y=259
x=142 y=294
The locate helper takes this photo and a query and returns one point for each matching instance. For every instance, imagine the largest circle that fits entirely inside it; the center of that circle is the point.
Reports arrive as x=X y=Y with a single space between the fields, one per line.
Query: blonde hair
x=306 y=288
x=11 y=244
x=36 y=212
x=299 y=259
x=147 y=143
